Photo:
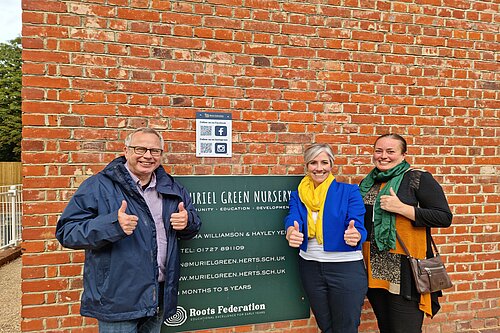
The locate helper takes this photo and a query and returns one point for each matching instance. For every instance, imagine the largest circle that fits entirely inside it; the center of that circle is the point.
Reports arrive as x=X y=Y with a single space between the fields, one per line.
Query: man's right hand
x=294 y=236
x=127 y=222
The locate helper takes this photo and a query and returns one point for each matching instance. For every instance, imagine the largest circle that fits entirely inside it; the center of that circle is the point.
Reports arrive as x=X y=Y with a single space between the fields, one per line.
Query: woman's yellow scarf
x=314 y=199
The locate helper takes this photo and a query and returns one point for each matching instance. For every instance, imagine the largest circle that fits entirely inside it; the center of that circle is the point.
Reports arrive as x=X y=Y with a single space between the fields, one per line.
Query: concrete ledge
x=9 y=254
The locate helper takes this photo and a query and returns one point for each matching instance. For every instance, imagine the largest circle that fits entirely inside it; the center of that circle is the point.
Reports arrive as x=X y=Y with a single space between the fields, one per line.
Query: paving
x=10 y=294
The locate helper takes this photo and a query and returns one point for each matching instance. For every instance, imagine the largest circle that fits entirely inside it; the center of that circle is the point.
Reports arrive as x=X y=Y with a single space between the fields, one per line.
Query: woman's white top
x=315 y=251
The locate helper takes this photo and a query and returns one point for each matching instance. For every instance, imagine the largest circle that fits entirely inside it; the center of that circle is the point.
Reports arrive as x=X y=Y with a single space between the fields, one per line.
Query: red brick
x=32 y=325
x=44 y=285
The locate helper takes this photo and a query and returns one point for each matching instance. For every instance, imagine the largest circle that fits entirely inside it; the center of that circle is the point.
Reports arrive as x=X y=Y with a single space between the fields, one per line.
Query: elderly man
x=128 y=218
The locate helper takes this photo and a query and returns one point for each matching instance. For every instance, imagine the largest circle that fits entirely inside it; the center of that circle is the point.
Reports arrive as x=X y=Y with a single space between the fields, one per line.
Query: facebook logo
x=220 y=148
x=220 y=130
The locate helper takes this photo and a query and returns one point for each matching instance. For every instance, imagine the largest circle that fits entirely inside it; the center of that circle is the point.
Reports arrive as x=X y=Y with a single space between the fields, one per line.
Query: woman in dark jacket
x=411 y=202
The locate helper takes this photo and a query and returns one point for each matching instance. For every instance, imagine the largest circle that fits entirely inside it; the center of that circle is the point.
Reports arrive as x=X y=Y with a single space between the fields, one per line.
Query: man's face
x=143 y=165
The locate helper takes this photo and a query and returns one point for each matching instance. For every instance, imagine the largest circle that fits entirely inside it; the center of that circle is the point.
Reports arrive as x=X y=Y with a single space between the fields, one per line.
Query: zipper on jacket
x=155 y=297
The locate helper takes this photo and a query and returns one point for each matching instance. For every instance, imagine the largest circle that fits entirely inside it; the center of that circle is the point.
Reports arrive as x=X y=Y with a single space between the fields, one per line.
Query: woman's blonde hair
x=315 y=149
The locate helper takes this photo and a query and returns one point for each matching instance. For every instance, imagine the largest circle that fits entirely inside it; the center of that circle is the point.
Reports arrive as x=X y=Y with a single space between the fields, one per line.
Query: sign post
x=239 y=269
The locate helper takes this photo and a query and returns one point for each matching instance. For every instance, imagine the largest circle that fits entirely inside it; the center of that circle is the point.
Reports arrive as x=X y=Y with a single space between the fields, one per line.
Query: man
x=128 y=219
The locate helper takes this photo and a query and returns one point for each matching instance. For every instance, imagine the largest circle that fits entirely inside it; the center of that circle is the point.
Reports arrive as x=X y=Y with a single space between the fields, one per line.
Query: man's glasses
x=142 y=150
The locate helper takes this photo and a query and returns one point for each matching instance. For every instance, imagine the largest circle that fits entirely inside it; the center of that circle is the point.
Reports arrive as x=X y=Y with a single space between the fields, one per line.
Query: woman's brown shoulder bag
x=429 y=274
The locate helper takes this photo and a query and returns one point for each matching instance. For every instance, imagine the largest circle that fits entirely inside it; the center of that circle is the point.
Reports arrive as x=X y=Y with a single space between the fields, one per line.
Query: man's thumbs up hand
x=123 y=207
x=351 y=235
x=128 y=223
x=294 y=236
x=179 y=220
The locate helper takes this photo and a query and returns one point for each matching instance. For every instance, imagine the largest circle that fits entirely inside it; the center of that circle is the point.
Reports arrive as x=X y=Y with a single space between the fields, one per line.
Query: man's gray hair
x=144 y=130
x=314 y=150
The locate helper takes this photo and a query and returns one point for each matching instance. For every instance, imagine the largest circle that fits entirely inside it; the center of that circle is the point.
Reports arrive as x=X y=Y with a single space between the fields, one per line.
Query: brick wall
x=291 y=73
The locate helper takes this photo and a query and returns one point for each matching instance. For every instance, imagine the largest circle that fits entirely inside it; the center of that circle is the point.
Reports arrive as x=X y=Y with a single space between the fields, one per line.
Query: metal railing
x=10 y=215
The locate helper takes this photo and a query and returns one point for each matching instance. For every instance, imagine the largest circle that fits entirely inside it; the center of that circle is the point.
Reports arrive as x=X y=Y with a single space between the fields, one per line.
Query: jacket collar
x=117 y=172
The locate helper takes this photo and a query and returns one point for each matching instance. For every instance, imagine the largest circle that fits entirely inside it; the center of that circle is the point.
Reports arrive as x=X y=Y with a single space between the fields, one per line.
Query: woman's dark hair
x=395 y=137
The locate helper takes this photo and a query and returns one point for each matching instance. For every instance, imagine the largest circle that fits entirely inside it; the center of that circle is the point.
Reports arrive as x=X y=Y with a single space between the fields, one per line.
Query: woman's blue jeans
x=336 y=292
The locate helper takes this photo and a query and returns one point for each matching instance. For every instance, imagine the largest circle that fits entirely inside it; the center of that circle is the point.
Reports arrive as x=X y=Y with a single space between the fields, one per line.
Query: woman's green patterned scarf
x=384 y=222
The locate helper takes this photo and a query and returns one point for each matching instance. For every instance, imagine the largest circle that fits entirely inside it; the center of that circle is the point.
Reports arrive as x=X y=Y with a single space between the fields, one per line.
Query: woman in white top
x=326 y=222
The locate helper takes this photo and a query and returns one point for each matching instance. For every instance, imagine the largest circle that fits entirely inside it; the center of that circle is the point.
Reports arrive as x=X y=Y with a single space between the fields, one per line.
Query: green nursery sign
x=239 y=269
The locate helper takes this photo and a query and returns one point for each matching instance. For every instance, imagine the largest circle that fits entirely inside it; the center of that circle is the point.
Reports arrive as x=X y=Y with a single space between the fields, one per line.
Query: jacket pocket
x=102 y=270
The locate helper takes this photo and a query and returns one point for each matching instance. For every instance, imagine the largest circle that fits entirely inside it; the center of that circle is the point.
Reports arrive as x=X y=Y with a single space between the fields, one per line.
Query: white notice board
x=213 y=134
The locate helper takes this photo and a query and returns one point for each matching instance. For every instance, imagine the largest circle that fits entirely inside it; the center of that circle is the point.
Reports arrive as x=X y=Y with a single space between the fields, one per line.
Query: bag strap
x=406 y=249
x=402 y=244
x=434 y=244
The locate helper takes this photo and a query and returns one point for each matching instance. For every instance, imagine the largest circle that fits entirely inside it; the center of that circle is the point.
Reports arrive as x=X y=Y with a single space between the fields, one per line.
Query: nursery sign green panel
x=239 y=269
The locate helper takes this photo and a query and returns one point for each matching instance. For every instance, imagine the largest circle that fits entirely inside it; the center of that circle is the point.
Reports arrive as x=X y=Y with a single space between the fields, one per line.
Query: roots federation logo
x=178 y=318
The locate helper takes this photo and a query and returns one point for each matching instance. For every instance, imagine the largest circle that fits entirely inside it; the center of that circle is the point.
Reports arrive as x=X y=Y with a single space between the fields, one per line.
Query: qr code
x=206 y=130
x=206 y=148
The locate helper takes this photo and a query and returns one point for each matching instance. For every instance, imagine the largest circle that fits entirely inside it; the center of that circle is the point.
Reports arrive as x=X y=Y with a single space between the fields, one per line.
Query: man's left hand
x=179 y=220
